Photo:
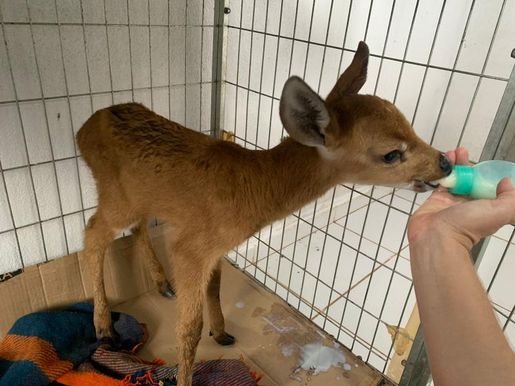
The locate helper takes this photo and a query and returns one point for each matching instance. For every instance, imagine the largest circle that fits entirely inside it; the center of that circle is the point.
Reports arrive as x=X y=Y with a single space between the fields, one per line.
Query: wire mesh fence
x=59 y=62
x=343 y=261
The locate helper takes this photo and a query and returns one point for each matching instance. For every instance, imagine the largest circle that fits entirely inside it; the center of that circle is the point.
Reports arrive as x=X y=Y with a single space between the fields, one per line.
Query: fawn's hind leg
x=216 y=316
x=144 y=246
x=98 y=235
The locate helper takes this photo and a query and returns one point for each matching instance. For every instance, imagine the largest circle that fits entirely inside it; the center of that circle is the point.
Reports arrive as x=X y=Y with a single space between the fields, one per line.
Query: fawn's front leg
x=98 y=235
x=216 y=317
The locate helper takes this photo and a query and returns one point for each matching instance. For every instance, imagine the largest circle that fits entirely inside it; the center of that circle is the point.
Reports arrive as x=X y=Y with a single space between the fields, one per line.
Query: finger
x=505 y=186
x=462 y=156
x=451 y=154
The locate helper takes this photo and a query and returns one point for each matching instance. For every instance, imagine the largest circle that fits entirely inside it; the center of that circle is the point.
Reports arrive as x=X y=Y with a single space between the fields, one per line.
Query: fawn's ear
x=303 y=113
x=354 y=77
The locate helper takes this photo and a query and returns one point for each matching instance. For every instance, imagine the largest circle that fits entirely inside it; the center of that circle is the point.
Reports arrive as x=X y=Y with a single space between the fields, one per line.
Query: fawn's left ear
x=303 y=113
x=354 y=77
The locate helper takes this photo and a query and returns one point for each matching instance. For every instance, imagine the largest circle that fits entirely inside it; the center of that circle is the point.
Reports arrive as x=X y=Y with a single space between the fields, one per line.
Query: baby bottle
x=480 y=180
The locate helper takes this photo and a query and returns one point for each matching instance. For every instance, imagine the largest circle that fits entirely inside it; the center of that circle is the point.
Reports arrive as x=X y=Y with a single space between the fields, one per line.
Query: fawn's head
x=365 y=138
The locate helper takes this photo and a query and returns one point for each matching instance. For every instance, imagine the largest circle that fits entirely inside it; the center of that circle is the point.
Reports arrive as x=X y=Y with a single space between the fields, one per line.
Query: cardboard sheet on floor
x=270 y=335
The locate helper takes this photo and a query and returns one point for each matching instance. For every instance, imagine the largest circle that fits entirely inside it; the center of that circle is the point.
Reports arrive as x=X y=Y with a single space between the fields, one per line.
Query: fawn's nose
x=445 y=164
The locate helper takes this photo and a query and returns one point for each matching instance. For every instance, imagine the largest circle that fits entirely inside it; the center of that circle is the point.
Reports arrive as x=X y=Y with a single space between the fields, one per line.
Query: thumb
x=505 y=186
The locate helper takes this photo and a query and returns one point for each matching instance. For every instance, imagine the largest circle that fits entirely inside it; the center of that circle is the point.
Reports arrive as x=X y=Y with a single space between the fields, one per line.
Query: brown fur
x=215 y=194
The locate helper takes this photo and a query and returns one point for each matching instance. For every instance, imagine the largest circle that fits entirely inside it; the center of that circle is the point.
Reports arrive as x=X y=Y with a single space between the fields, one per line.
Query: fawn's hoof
x=166 y=290
x=106 y=335
x=223 y=339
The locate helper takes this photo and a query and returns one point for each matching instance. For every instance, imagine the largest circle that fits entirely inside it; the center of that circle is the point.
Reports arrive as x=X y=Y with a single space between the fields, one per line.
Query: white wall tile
x=81 y=111
x=11 y=260
x=6 y=85
x=402 y=19
x=74 y=231
x=48 y=52
x=96 y=55
x=450 y=34
x=87 y=184
x=479 y=35
x=31 y=244
x=120 y=57
x=22 y=198
x=67 y=178
x=69 y=11
x=482 y=115
x=122 y=97
x=160 y=101
x=177 y=53
x=424 y=29
x=192 y=107
x=5 y=216
x=159 y=12
x=159 y=56
x=12 y=147
x=193 y=12
x=500 y=62
x=101 y=101
x=12 y=11
x=74 y=53
x=193 y=55
x=177 y=12
x=116 y=11
x=23 y=62
x=138 y=11
x=93 y=11
x=45 y=185
x=36 y=131
x=61 y=131
x=206 y=106
x=140 y=61
x=143 y=96
x=55 y=240
x=207 y=55
x=177 y=99
x=41 y=11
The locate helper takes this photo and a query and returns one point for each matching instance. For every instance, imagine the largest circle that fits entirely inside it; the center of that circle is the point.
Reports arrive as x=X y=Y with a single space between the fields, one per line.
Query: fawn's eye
x=392 y=156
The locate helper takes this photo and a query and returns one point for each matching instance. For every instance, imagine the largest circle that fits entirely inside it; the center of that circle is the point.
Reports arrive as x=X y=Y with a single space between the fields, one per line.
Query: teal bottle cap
x=464 y=180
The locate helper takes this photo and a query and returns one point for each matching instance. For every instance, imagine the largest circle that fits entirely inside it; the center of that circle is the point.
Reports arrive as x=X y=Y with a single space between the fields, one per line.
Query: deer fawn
x=215 y=194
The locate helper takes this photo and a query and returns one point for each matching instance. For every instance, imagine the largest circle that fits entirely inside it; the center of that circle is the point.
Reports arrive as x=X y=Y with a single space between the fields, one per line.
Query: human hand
x=460 y=219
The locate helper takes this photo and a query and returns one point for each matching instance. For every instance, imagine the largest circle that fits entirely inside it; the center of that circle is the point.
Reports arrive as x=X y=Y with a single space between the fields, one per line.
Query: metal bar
x=416 y=371
x=22 y=126
x=393 y=59
x=130 y=48
x=509 y=318
x=259 y=108
x=94 y=93
x=501 y=132
x=315 y=206
x=446 y=94
x=81 y=198
x=282 y=132
x=185 y=65
x=11 y=215
x=102 y=24
x=248 y=94
x=149 y=59
x=47 y=220
x=483 y=68
x=218 y=72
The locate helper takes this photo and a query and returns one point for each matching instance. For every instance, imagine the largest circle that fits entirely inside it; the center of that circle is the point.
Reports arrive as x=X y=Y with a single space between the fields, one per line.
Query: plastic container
x=480 y=180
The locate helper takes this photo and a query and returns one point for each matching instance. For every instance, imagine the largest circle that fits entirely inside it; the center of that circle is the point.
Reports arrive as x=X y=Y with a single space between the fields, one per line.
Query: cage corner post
x=221 y=12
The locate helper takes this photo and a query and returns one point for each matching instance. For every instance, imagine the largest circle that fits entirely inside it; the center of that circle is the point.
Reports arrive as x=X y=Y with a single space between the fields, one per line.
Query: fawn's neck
x=294 y=176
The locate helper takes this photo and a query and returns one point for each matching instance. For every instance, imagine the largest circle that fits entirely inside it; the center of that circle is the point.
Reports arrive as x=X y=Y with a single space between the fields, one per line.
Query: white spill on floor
x=316 y=357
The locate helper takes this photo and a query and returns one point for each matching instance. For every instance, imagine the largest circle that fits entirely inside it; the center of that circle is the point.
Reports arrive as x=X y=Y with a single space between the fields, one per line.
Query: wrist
x=440 y=239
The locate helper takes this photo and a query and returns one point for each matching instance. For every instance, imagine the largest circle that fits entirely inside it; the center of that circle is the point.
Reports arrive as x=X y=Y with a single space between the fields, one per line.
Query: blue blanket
x=42 y=346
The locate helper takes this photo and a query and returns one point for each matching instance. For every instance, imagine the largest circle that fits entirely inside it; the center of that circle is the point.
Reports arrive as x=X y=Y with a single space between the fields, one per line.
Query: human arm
x=464 y=341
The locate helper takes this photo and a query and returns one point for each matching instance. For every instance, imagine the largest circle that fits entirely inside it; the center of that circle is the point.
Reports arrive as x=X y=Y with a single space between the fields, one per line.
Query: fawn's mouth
x=423 y=186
